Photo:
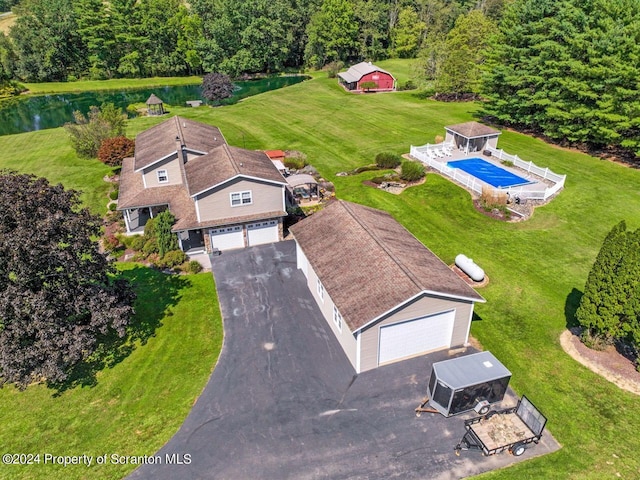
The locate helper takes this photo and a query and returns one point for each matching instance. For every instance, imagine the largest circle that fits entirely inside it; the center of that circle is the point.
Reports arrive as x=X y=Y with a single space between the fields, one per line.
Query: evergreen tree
x=569 y=69
x=608 y=307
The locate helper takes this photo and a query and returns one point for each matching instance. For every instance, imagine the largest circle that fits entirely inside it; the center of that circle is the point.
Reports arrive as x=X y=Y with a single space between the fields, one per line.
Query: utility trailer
x=511 y=429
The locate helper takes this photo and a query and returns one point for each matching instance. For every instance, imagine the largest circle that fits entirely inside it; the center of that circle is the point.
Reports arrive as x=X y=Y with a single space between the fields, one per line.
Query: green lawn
x=135 y=405
x=537 y=268
x=116 y=84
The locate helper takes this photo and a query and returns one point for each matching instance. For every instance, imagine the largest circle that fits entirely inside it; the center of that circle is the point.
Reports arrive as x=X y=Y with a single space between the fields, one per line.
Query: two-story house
x=223 y=197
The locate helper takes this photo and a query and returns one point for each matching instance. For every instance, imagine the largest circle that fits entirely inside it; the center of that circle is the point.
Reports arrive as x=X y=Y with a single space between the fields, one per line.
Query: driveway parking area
x=284 y=402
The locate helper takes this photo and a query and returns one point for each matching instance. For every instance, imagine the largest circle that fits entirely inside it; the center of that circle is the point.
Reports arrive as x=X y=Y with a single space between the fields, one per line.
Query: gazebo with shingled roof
x=155 y=105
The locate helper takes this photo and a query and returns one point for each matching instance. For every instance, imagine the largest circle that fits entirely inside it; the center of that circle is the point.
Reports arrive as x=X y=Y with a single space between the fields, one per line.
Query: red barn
x=366 y=72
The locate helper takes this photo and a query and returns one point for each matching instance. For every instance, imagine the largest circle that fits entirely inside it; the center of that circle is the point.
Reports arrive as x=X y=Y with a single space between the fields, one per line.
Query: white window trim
x=241 y=196
x=337 y=318
x=166 y=176
x=320 y=289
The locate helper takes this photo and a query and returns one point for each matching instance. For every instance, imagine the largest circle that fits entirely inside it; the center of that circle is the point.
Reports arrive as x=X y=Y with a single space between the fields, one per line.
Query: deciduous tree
x=59 y=296
x=88 y=132
x=216 y=86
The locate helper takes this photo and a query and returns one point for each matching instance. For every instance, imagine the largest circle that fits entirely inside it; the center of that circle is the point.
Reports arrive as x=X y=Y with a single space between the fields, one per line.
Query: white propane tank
x=467 y=265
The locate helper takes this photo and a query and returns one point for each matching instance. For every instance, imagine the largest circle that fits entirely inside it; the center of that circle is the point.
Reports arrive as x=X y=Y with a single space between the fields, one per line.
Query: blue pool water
x=487 y=172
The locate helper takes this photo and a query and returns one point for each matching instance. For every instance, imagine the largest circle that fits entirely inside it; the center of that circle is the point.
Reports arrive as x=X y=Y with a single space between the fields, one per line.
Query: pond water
x=28 y=113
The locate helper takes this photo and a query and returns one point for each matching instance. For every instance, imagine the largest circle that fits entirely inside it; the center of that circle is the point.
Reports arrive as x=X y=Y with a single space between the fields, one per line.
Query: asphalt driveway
x=284 y=402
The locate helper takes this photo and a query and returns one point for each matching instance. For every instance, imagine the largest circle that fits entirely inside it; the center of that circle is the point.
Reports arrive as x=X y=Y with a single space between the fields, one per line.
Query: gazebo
x=303 y=187
x=155 y=105
x=471 y=136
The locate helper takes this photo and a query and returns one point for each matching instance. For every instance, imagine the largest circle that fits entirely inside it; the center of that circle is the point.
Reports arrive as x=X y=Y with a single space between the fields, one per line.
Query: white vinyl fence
x=429 y=154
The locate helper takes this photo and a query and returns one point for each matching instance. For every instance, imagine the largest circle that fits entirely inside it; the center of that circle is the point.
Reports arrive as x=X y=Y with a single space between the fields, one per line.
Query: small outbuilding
x=155 y=106
x=374 y=78
x=303 y=187
x=471 y=136
x=384 y=294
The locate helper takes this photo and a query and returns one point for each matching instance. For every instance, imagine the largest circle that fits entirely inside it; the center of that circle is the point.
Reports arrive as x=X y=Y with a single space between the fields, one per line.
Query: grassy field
x=537 y=268
x=136 y=403
x=116 y=84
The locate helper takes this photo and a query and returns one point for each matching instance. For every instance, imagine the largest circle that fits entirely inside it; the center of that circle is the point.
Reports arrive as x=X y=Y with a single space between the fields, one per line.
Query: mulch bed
x=610 y=359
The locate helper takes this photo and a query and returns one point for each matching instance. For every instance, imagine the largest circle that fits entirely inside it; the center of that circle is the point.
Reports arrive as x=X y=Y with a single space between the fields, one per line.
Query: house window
x=241 y=198
x=320 y=289
x=337 y=318
x=163 y=177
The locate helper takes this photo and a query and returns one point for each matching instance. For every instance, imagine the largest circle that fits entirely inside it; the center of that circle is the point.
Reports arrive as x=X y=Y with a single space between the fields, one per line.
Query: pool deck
x=537 y=184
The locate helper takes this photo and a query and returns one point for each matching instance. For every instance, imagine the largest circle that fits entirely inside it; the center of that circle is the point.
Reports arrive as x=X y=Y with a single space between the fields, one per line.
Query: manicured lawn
x=137 y=403
x=537 y=268
x=116 y=84
x=48 y=153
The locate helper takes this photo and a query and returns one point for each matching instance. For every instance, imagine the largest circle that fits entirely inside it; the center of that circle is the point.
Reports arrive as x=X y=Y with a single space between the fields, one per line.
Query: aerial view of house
x=222 y=196
x=385 y=295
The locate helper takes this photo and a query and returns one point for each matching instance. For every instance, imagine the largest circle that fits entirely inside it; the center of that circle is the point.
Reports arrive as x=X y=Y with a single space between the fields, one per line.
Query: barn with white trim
x=385 y=295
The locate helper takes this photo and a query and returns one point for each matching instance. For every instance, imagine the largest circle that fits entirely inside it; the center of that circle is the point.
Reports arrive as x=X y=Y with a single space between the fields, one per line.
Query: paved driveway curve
x=284 y=402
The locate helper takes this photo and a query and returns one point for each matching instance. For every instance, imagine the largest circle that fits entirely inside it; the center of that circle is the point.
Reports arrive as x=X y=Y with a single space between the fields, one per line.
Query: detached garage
x=385 y=295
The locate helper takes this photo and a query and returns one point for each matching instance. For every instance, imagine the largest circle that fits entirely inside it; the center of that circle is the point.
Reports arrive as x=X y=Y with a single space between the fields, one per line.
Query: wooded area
x=565 y=69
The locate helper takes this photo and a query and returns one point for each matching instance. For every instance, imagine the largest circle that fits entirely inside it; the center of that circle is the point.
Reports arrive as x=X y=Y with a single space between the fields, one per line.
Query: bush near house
x=113 y=150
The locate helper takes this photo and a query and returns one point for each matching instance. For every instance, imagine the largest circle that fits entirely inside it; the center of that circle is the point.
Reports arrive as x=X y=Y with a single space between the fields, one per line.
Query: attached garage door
x=227 y=238
x=414 y=337
x=262 y=232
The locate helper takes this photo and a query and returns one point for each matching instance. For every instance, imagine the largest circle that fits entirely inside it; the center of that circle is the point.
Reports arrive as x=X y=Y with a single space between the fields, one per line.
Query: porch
x=135 y=219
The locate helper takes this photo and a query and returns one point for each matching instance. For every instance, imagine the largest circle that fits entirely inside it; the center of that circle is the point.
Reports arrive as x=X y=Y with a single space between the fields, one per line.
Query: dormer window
x=163 y=177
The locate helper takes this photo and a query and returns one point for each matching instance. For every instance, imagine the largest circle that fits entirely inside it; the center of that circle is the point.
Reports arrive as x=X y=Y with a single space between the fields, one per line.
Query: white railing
x=426 y=154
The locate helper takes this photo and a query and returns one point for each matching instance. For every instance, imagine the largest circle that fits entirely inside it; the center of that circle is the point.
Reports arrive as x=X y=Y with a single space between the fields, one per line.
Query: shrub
x=113 y=150
x=408 y=85
x=132 y=111
x=113 y=206
x=507 y=163
x=110 y=243
x=173 y=259
x=113 y=195
x=88 y=132
x=333 y=68
x=366 y=86
x=166 y=239
x=490 y=198
x=136 y=243
x=388 y=160
x=411 y=171
x=194 y=267
x=295 y=163
x=150 y=246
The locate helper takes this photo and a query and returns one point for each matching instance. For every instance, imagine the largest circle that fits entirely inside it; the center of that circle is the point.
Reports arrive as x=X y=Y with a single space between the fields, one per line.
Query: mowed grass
x=537 y=268
x=115 y=84
x=136 y=404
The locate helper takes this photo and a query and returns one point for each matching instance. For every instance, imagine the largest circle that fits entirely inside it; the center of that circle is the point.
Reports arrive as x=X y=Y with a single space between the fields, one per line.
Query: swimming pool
x=489 y=173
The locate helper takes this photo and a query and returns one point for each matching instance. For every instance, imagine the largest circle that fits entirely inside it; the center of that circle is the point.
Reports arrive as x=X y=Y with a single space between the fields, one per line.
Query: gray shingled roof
x=226 y=162
x=369 y=264
x=472 y=130
x=167 y=137
x=356 y=72
x=154 y=100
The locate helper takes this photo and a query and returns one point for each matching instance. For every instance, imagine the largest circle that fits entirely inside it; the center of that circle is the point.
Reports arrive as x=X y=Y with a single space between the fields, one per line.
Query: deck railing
x=426 y=154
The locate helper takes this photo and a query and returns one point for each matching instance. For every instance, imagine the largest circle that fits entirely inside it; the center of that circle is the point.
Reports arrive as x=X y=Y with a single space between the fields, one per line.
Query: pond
x=28 y=113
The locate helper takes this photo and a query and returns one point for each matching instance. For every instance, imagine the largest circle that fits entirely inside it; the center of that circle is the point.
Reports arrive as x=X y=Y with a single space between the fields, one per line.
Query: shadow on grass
x=570 y=306
x=156 y=294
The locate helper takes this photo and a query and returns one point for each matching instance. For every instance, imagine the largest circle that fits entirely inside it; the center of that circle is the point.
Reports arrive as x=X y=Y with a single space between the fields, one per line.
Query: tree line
x=58 y=40
x=566 y=69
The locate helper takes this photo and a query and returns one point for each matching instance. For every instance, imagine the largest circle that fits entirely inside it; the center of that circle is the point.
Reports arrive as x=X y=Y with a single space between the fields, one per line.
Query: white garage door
x=414 y=337
x=227 y=238
x=262 y=232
